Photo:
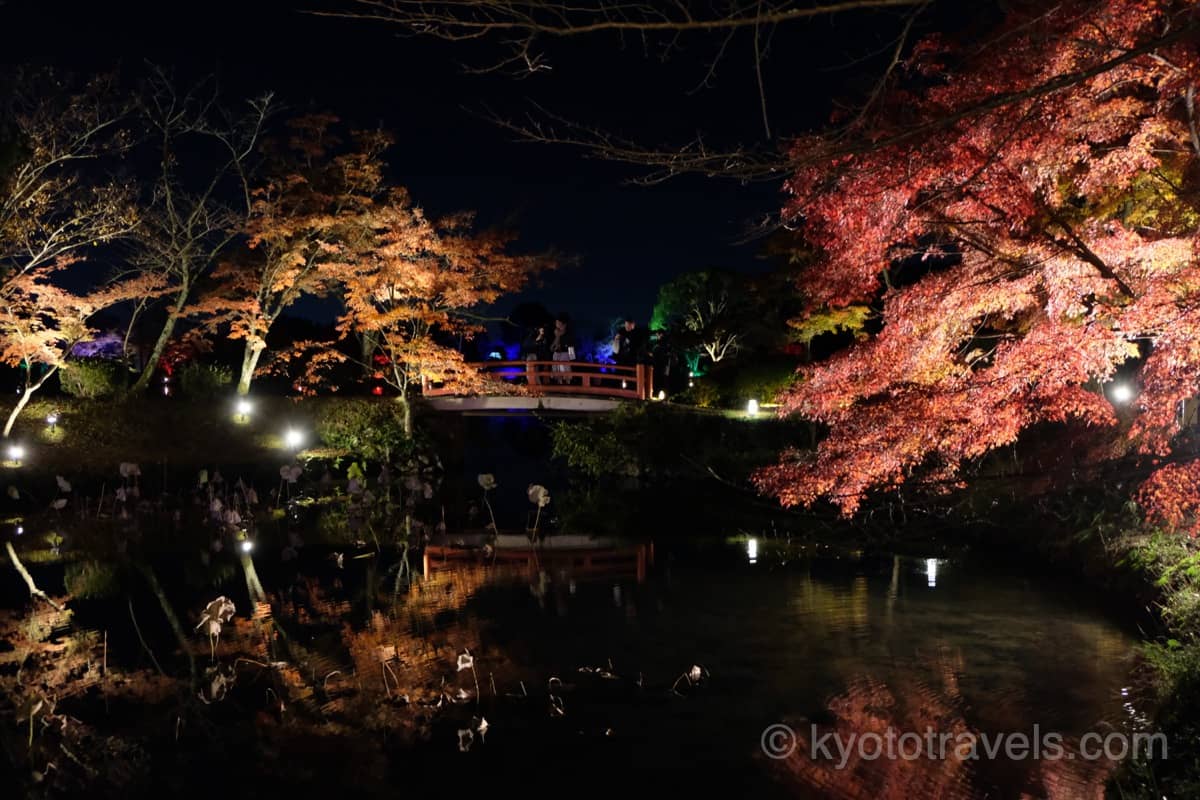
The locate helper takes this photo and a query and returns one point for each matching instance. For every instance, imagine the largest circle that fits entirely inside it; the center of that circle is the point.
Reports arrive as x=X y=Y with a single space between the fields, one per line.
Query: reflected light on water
x=854 y=642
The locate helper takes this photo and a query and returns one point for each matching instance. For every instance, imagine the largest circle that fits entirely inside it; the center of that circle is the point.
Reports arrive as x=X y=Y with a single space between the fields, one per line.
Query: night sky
x=628 y=239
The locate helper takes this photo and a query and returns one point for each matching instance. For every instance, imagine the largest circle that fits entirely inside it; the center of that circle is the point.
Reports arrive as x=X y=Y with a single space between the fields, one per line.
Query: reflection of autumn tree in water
x=871 y=708
x=343 y=672
x=406 y=652
x=972 y=678
x=48 y=672
x=305 y=681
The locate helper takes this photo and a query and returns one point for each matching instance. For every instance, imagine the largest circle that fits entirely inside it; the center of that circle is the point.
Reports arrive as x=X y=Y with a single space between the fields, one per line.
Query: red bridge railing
x=564 y=378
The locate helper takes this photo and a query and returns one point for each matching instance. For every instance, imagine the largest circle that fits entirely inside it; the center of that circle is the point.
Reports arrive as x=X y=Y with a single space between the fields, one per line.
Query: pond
x=848 y=645
x=781 y=670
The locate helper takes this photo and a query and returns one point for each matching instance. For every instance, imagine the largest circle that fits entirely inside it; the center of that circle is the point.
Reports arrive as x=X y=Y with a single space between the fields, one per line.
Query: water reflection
x=616 y=670
x=850 y=646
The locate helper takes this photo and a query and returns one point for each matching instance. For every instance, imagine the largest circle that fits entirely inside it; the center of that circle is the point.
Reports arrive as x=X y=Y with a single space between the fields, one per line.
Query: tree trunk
x=30 y=388
x=405 y=415
x=250 y=358
x=368 y=341
x=254 y=587
x=159 y=346
x=16 y=412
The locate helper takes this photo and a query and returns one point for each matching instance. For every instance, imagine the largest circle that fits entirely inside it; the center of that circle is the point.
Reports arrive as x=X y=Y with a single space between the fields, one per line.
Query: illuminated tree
x=48 y=209
x=709 y=306
x=200 y=197
x=416 y=286
x=49 y=214
x=310 y=206
x=1022 y=224
x=40 y=322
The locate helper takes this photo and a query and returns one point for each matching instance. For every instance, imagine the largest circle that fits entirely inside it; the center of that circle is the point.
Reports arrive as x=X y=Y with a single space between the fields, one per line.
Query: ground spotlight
x=16 y=452
x=1121 y=393
x=752 y=408
x=293 y=438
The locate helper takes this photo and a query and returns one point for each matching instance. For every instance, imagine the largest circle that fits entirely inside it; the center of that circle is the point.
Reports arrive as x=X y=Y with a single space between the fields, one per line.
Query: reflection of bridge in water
x=580 y=557
x=549 y=385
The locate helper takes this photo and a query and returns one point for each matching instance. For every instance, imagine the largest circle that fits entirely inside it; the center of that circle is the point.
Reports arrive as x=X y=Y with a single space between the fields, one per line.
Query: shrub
x=372 y=429
x=761 y=380
x=91 y=378
x=703 y=393
x=91 y=579
x=204 y=381
x=595 y=449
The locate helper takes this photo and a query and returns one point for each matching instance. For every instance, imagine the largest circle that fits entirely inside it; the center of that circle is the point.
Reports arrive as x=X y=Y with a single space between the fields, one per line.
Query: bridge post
x=645 y=381
x=531 y=373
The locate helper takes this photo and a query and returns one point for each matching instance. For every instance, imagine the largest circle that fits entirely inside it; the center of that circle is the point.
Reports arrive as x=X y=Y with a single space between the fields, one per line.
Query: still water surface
x=852 y=646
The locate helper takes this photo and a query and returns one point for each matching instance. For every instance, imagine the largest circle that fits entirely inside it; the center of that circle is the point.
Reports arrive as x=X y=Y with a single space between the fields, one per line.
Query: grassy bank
x=1148 y=574
x=1167 y=563
x=94 y=436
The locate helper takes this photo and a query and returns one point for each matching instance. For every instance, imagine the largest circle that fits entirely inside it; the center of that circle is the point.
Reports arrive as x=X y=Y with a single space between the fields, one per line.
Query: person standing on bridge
x=536 y=347
x=562 y=345
x=629 y=345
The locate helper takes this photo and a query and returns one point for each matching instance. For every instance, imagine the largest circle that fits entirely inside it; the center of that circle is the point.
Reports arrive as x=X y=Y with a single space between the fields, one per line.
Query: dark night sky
x=629 y=239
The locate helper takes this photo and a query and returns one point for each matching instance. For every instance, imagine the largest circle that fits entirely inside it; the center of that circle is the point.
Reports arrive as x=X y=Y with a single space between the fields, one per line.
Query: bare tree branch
x=884 y=79
x=762 y=91
x=458 y=20
x=696 y=156
x=751 y=164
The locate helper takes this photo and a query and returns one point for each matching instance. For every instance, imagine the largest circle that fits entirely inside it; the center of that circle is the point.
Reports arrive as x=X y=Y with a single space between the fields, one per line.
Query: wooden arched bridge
x=549 y=385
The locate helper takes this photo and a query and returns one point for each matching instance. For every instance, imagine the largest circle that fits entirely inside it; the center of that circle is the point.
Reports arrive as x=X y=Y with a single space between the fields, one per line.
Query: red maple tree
x=1007 y=224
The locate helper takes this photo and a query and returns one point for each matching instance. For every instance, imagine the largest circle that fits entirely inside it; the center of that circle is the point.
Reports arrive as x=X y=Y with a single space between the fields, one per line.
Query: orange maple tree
x=415 y=288
x=51 y=213
x=41 y=322
x=1005 y=227
x=310 y=207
